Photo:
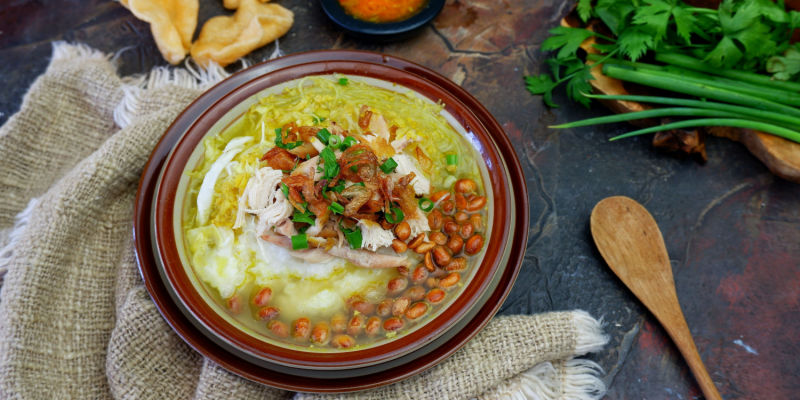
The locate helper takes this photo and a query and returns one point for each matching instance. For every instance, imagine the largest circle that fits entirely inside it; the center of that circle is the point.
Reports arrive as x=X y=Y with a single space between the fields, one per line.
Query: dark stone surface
x=730 y=227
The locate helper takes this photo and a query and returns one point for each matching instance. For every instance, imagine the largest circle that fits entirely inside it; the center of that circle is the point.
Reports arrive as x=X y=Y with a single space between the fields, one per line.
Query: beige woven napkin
x=75 y=319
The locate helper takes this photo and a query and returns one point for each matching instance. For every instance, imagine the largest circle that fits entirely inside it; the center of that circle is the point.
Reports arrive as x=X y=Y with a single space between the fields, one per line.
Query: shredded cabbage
x=206 y=192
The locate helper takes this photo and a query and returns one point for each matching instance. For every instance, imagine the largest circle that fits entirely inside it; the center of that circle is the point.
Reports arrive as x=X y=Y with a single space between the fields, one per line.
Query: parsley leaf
x=724 y=53
x=654 y=17
x=614 y=13
x=584 y=9
x=786 y=66
x=541 y=84
x=578 y=84
x=745 y=36
x=634 y=42
x=566 y=41
x=770 y=10
x=684 y=23
x=794 y=20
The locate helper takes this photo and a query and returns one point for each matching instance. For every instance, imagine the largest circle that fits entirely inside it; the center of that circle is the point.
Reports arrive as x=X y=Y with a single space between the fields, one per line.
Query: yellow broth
x=233 y=265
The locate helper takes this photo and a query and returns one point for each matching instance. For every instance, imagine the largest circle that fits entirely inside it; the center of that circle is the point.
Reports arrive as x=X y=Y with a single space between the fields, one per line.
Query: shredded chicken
x=368 y=259
x=378 y=127
x=374 y=236
x=418 y=223
x=263 y=197
x=308 y=168
x=400 y=144
x=405 y=166
x=309 y=255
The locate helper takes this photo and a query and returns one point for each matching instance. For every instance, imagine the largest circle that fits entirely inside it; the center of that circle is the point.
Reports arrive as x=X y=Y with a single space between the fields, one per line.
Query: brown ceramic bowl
x=374 y=365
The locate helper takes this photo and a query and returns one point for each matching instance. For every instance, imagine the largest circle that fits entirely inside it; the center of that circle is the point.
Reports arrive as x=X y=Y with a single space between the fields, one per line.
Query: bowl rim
x=334 y=10
x=184 y=328
x=200 y=310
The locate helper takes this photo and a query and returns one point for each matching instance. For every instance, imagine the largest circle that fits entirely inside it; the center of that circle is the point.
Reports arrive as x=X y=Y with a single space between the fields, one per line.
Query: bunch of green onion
x=728 y=98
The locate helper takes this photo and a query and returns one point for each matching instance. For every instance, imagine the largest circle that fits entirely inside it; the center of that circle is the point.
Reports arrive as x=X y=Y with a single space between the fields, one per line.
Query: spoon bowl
x=631 y=243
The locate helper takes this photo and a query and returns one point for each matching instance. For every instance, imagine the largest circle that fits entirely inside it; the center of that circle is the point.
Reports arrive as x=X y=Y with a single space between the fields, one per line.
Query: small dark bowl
x=381 y=31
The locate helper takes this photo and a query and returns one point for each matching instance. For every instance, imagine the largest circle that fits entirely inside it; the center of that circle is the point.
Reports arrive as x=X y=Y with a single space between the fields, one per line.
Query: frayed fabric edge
x=589 y=333
x=193 y=76
x=67 y=51
x=578 y=379
x=7 y=251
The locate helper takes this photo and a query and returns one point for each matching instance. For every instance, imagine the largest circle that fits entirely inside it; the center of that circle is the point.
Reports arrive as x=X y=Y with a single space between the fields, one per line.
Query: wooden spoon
x=631 y=243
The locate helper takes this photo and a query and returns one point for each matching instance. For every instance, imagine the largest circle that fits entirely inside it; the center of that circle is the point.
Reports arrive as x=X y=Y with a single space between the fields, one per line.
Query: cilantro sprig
x=738 y=55
x=750 y=35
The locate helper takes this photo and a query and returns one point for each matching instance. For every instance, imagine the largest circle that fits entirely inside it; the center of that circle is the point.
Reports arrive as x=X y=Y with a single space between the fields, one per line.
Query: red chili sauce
x=382 y=11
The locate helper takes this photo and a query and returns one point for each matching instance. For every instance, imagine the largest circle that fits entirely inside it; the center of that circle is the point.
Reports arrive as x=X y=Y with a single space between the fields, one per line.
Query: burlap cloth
x=75 y=318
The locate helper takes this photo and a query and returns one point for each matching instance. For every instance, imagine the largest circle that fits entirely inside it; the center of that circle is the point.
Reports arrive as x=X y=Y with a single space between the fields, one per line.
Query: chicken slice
x=373 y=235
x=361 y=258
x=368 y=259
x=406 y=165
x=263 y=197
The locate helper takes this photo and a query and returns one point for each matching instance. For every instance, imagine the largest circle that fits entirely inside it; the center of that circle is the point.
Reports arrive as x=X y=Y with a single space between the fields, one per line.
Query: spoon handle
x=678 y=330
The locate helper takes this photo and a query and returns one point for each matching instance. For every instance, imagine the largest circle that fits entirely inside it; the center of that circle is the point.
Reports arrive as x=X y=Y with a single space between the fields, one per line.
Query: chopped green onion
x=299 y=241
x=359 y=184
x=343 y=81
x=323 y=135
x=348 y=141
x=336 y=208
x=305 y=216
x=339 y=187
x=389 y=165
x=353 y=237
x=354 y=168
x=331 y=168
x=395 y=216
x=279 y=141
x=317 y=119
x=285 y=190
x=335 y=141
x=452 y=162
x=425 y=204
